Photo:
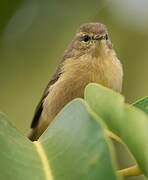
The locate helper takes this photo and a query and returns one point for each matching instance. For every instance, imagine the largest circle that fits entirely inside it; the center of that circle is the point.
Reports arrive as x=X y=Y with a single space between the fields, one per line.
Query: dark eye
x=86 y=38
x=106 y=37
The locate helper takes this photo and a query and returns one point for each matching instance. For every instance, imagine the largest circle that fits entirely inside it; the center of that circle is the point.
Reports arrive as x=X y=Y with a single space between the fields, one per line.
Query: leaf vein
x=44 y=160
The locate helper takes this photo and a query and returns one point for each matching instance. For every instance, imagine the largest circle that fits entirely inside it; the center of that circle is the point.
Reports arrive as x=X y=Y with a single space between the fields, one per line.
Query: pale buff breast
x=105 y=70
x=108 y=72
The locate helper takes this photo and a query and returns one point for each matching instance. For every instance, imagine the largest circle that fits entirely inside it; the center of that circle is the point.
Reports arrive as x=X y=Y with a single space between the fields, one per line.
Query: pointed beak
x=99 y=37
x=98 y=46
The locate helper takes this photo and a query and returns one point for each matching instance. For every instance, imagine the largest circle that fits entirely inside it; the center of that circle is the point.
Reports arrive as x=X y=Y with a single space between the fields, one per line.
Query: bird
x=90 y=58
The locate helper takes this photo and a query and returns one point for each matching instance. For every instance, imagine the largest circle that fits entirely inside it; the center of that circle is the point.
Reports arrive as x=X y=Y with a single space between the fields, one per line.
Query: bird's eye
x=86 y=38
x=106 y=37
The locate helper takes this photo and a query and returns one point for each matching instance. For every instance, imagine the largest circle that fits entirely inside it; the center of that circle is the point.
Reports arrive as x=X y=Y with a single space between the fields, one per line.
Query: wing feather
x=39 y=108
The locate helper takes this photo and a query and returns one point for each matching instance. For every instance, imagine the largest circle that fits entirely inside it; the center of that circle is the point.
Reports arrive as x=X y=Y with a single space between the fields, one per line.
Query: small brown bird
x=89 y=58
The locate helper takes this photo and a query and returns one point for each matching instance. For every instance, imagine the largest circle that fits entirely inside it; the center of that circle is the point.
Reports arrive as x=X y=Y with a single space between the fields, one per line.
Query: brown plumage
x=89 y=58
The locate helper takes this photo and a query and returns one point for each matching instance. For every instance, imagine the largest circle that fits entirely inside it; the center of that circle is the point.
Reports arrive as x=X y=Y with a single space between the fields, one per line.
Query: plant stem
x=114 y=136
x=131 y=171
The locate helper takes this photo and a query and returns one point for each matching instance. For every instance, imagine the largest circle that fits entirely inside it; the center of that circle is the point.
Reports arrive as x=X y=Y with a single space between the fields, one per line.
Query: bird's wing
x=39 y=107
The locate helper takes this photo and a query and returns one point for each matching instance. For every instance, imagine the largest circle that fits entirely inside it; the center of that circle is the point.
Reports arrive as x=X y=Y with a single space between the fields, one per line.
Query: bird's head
x=91 y=38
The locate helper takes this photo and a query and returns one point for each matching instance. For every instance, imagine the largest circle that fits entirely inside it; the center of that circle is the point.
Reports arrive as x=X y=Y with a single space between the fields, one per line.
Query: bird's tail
x=36 y=132
x=33 y=135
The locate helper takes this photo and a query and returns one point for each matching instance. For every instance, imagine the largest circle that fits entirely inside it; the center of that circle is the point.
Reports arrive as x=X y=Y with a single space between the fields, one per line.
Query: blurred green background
x=35 y=33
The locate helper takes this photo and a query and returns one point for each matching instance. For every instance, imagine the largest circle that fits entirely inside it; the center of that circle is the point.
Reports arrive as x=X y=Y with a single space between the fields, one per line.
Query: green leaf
x=142 y=104
x=128 y=122
x=74 y=147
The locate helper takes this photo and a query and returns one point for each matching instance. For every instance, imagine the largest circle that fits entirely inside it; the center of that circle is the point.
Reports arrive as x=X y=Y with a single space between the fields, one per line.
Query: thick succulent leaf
x=142 y=104
x=128 y=122
x=18 y=156
x=73 y=147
